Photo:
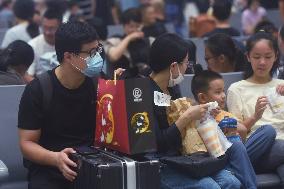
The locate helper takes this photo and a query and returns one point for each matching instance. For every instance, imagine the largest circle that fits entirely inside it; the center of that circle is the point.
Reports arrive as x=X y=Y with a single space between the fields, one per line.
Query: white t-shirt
x=40 y=47
x=18 y=32
x=241 y=100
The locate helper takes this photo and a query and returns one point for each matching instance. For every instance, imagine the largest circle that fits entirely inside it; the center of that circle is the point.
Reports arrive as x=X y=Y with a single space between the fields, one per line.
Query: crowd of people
x=53 y=39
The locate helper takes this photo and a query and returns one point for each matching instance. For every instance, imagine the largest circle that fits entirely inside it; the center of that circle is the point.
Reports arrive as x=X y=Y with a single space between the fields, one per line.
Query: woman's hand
x=280 y=89
x=260 y=106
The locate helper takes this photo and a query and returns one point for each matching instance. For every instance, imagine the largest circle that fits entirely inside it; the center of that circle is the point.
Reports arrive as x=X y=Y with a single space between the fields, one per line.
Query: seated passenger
x=222 y=12
x=169 y=60
x=47 y=135
x=151 y=27
x=132 y=49
x=223 y=55
x=26 y=29
x=14 y=62
x=252 y=16
x=248 y=99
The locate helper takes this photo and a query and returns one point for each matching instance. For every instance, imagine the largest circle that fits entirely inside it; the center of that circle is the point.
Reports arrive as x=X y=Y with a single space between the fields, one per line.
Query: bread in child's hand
x=191 y=142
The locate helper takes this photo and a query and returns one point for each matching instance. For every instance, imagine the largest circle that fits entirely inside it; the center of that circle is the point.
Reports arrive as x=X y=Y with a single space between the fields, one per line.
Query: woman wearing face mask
x=169 y=61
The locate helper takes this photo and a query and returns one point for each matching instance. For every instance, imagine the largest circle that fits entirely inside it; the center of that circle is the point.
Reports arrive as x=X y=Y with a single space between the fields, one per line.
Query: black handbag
x=197 y=165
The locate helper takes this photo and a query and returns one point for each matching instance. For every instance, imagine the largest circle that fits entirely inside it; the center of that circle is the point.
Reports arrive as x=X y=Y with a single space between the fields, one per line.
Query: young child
x=208 y=86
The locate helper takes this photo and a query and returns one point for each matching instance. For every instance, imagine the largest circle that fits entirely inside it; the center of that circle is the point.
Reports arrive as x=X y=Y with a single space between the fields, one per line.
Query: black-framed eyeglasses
x=209 y=58
x=94 y=51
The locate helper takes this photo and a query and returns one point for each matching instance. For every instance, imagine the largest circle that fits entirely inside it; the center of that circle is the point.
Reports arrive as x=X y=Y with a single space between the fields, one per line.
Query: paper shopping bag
x=124 y=118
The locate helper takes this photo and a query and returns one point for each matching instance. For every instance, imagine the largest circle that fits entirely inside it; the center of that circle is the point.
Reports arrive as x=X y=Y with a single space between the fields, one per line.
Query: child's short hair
x=200 y=81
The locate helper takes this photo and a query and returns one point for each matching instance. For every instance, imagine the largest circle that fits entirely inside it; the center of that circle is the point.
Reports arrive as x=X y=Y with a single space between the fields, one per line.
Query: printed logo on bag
x=137 y=93
x=140 y=122
x=106 y=117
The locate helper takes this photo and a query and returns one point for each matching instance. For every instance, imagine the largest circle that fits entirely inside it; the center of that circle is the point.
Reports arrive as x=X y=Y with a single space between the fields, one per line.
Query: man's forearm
x=36 y=153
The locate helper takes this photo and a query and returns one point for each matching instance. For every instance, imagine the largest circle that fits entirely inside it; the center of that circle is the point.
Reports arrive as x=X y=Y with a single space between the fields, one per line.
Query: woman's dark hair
x=250 y=45
x=223 y=44
x=166 y=49
x=191 y=56
x=266 y=26
x=201 y=80
x=17 y=53
x=25 y=10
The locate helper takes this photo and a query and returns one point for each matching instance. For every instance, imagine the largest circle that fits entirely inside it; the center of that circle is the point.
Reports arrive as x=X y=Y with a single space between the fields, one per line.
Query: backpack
x=47 y=88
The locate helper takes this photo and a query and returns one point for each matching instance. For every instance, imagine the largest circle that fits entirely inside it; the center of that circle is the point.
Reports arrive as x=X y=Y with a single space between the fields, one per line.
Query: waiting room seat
x=235 y=20
x=268 y=181
x=4 y=173
x=113 y=30
x=200 y=51
x=274 y=17
x=9 y=148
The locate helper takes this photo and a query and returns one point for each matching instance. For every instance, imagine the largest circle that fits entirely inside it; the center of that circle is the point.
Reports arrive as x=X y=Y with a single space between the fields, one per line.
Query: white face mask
x=178 y=80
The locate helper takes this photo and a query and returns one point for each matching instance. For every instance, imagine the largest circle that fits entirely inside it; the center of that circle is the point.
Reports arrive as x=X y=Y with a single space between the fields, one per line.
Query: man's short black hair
x=52 y=13
x=222 y=9
x=71 y=36
x=24 y=9
x=201 y=81
x=132 y=14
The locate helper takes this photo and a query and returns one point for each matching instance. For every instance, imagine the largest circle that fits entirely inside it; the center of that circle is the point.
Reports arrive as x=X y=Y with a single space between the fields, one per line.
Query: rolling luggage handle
x=127 y=164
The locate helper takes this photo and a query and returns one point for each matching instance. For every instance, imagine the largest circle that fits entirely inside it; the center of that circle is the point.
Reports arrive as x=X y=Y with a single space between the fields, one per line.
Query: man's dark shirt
x=70 y=118
x=229 y=31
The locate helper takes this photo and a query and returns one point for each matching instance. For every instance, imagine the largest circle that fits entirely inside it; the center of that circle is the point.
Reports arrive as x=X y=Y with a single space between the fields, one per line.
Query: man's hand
x=64 y=163
x=119 y=71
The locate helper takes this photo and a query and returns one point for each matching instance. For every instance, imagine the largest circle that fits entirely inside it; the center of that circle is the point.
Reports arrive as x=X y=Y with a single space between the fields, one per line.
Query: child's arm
x=191 y=114
x=243 y=131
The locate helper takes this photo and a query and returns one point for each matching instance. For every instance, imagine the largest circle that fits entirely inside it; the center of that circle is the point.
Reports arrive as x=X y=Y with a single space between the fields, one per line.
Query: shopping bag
x=124 y=117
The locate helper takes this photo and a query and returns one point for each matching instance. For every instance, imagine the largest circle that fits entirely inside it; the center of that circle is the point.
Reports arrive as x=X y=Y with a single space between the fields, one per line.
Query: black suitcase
x=100 y=169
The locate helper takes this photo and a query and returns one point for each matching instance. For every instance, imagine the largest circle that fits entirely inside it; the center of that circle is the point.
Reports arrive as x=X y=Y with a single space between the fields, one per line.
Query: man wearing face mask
x=48 y=136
